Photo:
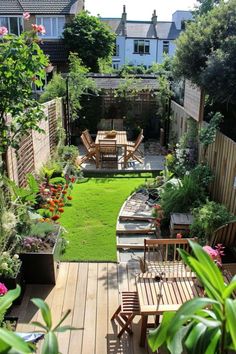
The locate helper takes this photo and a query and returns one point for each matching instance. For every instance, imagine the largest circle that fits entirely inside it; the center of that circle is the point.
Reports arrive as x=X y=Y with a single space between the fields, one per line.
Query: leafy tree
x=55 y=88
x=206 y=52
x=22 y=63
x=90 y=38
x=205 y=6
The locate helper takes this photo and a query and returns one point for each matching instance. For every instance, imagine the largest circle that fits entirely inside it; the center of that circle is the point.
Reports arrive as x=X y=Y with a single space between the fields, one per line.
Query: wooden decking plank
x=88 y=345
x=69 y=299
x=102 y=310
x=76 y=337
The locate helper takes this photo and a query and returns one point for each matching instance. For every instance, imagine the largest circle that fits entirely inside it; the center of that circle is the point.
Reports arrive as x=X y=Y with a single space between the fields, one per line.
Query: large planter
x=11 y=284
x=42 y=268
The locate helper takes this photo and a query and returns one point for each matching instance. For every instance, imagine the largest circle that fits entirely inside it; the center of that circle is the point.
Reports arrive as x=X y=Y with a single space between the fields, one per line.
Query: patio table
x=158 y=295
x=120 y=138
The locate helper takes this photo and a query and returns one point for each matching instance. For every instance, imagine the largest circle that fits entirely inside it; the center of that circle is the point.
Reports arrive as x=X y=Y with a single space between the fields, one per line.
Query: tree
x=90 y=38
x=205 y=6
x=22 y=63
x=206 y=53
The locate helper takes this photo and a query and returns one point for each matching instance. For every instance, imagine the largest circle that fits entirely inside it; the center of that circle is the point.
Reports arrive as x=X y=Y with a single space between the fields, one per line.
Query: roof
x=167 y=30
x=55 y=50
x=56 y=7
x=143 y=29
x=112 y=83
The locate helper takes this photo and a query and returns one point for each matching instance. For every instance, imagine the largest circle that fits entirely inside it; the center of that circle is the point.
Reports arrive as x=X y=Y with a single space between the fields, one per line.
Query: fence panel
x=221 y=157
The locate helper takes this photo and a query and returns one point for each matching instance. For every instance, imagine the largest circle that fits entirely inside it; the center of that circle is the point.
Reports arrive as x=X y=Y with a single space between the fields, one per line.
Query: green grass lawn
x=91 y=218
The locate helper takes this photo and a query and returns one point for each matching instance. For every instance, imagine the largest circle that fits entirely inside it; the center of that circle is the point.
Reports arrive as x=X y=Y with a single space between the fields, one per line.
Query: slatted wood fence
x=221 y=157
x=36 y=148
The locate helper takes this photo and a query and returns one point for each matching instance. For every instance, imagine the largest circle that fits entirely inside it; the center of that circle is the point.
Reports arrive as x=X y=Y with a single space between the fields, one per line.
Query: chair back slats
x=118 y=124
x=226 y=235
x=88 y=137
x=107 y=146
x=85 y=142
x=162 y=256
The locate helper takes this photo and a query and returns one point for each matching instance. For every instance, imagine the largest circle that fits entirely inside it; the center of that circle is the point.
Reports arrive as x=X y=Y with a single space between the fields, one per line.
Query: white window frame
x=166 y=44
x=50 y=17
x=19 y=19
x=142 y=40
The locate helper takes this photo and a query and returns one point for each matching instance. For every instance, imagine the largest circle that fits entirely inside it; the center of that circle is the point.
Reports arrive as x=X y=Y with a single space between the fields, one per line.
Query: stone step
x=136 y=217
x=130 y=255
x=135 y=228
x=133 y=239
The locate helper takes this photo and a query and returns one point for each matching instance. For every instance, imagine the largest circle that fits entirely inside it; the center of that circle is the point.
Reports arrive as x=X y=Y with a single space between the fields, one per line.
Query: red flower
x=51 y=209
x=179 y=235
x=55 y=217
x=64 y=192
x=69 y=197
x=72 y=179
x=61 y=210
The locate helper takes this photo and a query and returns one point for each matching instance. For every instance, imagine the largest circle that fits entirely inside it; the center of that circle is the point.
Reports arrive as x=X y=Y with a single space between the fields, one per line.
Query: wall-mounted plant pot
x=11 y=284
x=42 y=268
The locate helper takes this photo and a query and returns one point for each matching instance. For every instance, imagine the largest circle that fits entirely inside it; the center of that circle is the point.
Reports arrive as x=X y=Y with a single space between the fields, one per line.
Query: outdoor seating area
x=111 y=150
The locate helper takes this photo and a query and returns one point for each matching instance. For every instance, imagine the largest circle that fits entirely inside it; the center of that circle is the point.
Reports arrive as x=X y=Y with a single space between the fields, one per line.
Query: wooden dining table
x=158 y=295
x=120 y=138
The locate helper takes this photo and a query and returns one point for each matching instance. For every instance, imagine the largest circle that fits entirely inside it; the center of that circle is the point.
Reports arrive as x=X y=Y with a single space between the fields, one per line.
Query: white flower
x=9 y=221
x=4 y=266
x=16 y=256
x=5 y=254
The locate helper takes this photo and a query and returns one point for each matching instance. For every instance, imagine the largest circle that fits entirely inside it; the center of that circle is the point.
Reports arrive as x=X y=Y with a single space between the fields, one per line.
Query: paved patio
x=153 y=160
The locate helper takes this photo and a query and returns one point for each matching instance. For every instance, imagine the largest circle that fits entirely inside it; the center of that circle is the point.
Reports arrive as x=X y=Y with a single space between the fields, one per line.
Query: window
x=53 y=25
x=13 y=24
x=141 y=47
x=115 y=66
x=166 y=45
x=116 y=51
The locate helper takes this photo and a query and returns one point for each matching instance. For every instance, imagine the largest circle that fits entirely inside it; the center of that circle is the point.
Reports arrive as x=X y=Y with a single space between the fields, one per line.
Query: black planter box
x=11 y=284
x=42 y=268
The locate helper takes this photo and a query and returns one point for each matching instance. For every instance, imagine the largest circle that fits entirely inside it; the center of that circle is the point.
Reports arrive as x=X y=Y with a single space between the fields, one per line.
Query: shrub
x=202 y=174
x=182 y=196
x=207 y=218
x=55 y=88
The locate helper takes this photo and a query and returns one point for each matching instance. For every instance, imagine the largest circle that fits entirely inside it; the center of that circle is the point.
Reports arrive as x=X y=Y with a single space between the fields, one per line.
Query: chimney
x=123 y=20
x=154 y=17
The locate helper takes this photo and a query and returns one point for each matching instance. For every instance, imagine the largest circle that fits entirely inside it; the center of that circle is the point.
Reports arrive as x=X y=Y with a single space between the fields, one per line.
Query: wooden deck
x=91 y=291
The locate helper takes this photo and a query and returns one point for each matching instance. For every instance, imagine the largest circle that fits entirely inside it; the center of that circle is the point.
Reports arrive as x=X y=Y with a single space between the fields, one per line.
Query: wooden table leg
x=144 y=321
x=97 y=157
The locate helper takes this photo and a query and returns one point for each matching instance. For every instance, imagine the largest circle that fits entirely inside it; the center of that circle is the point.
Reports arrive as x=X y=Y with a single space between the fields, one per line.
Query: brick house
x=53 y=14
x=145 y=42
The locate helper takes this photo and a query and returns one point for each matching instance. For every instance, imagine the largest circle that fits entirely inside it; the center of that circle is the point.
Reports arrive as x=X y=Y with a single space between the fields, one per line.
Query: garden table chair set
x=104 y=150
x=164 y=284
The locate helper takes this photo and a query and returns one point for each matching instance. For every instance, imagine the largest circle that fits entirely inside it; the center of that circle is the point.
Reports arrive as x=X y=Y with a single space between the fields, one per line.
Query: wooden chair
x=105 y=124
x=226 y=235
x=161 y=257
x=126 y=312
x=132 y=151
x=118 y=124
x=108 y=153
x=88 y=137
x=90 y=151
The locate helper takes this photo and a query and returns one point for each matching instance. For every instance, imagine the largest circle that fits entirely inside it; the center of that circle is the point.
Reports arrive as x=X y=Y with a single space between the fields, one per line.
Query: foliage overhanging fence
x=36 y=148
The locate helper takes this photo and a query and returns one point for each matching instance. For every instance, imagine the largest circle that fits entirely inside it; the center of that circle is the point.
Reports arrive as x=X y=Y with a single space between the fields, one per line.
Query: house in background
x=145 y=42
x=52 y=14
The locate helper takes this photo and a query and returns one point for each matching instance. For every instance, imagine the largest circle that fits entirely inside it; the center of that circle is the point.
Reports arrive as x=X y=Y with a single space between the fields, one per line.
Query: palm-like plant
x=201 y=325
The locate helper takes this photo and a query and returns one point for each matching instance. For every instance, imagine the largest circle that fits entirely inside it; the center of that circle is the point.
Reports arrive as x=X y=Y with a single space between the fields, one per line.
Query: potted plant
x=40 y=253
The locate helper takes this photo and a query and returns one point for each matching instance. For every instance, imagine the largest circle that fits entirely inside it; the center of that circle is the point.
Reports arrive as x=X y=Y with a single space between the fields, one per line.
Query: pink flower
x=35 y=27
x=41 y=29
x=3 y=31
x=215 y=254
x=179 y=235
x=3 y=289
x=209 y=250
x=26 y=16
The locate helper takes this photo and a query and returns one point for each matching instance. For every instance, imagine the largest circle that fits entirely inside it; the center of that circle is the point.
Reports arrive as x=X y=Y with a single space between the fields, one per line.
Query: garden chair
x=105 y=124
x=108 y=153
x=90 y=151
x=118 y=124
x=131 y=151
x=89 y=138
x=126 y=311
x=161 y=257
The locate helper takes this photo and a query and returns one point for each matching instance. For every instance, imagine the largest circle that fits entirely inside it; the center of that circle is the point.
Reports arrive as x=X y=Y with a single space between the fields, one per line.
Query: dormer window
x=166 y=47
x=53 y=25
x=14 y=24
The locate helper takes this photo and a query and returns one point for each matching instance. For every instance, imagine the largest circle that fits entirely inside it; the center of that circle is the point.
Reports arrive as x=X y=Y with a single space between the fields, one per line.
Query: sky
x=138 y=9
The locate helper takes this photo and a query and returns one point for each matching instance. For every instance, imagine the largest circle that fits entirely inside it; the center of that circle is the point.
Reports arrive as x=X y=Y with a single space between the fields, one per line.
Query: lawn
x=91 y=219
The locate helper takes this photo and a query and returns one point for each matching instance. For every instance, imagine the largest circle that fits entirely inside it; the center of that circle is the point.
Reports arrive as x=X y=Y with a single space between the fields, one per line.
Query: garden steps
x=134 y=224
